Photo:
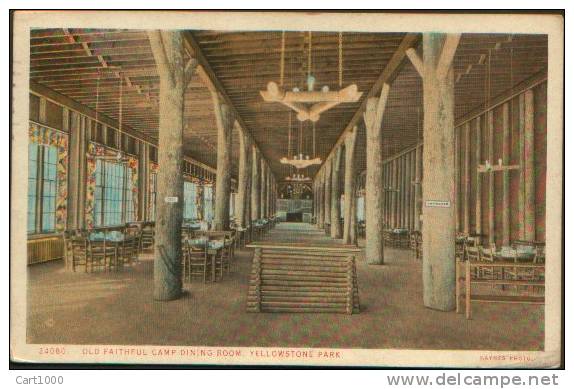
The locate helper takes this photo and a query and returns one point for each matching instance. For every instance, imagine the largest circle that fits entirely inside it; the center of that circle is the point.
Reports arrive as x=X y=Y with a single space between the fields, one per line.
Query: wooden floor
x=117 y=308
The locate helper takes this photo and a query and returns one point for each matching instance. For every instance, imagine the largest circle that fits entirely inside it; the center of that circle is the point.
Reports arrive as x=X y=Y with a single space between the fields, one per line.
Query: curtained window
x=42 y=187
x=113 y=196
x=189 y=194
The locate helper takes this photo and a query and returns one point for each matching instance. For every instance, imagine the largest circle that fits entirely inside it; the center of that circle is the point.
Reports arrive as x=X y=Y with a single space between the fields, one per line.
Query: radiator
x=45 y=249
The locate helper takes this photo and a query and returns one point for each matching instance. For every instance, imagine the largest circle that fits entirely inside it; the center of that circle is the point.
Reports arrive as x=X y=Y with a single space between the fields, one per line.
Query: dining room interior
x=287 y=188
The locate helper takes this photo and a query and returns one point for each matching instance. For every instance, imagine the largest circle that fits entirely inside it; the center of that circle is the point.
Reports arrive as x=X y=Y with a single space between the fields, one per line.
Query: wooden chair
x=487 y=255
x=104 y=255
x=79 y=252
x=68 y=254
x=223 y=262
x=148 y=237
x=195 y=262
x=128 y=249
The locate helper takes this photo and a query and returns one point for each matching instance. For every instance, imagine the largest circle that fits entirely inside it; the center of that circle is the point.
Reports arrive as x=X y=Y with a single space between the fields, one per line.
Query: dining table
x=114 y=239
x=213 y=249
x=519 y=254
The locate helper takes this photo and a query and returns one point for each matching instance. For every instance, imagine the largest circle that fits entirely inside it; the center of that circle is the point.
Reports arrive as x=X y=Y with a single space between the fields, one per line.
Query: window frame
x=106 y=194
x=42 y=152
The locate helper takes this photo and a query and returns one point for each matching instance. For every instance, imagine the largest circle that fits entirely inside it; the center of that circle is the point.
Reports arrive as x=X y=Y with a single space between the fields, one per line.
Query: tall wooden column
x=490 y=144
x=143 y=182
x=167 y=48
x=255 y=184
x=321 y=199
x=466 y=188
x=270 y=194
x=394 y=193
x=224 y=120
x=374 y=190
x=478 y=161
x=244 y=175
x=438 y=164
x=76 y=212
x=408 y=186
x=349 y=208
x=418 y=187
x=336 y=196
x=327 y=209
x=528 y=167
x=505 y=175
x=247 y=200
x=263 y=188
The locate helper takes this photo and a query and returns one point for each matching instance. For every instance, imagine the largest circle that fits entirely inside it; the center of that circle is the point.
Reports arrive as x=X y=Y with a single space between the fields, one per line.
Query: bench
x=465 y=276
x=287 y=278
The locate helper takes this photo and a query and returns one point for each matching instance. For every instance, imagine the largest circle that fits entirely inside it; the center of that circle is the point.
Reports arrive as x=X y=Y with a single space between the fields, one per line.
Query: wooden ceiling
x=87 y=66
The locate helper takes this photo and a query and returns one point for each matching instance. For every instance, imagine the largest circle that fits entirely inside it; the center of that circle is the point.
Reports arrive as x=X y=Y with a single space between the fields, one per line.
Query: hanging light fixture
x=298 y=177
x=310 y=104
x=300 y=160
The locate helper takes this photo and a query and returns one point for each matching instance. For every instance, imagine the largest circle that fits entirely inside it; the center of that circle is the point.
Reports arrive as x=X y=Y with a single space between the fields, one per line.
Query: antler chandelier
x=298 y=178
x=310 y=104
x=299 y=160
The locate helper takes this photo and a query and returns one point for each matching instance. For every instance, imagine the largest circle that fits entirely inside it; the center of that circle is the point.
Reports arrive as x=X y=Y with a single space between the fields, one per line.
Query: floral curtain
x=49 y=137
x=93 y=151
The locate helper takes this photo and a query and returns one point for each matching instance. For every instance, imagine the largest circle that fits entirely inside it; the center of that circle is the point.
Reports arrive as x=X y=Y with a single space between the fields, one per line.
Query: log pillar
x=490 y=145
x=168 y=49
x=268 y=192
x=224 y=120
x=327 y=208
x=321 y=199
x=418 y=187
x=478 y=197
x=255 y=184
x=505 y=175
x=349 y=209
x=336 y=232
x=143 y=182
x=243 y=179
x=529 y=172
x=263 y=187
x=76 y=212
x=374 y=189
x=466 y=187
x=438 y=231
x=394 y=193
x=408 y=187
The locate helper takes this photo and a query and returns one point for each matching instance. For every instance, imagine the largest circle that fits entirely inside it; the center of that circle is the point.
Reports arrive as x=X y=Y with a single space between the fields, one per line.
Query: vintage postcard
x=287 y=188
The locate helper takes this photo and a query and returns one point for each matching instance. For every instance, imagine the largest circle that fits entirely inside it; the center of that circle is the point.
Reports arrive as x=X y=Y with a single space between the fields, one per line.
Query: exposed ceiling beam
x=60 y=99
x=410 y=40
x=207 y=74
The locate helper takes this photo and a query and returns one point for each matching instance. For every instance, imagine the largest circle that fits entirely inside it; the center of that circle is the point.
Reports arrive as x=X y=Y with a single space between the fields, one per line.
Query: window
x=113 y=196
x=49 y=188
x=32 y=184
x=189 y=194
x=42 y=187
x=232 y=205
x=361 y=208
x=360 y=211
x=152 y=195
x=129 y=196
x=208 y=203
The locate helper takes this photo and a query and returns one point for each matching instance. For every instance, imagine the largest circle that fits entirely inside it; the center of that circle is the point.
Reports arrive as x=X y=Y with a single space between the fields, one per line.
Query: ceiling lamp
x=297 y=178
x=310 y=104
x=300 y=160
